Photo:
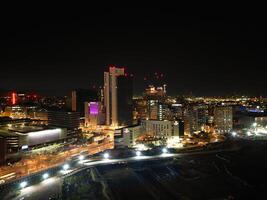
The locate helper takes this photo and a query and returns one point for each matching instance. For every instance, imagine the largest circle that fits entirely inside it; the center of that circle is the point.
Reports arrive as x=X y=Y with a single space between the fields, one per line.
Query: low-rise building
x=160 y=129
x=130 y=135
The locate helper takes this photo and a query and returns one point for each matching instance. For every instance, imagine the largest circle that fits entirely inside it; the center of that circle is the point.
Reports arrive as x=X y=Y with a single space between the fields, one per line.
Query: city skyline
x=205 y=55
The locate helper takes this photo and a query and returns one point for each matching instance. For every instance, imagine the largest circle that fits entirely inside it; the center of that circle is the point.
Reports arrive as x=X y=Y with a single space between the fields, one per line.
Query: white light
x=234 y=134
x=106 y=155
x=249 y=133
x=23 y=184
x=66 y=166
x=138 y=153
x=81 y=157
x=24 y=147
x=254 y=124
x=164 y=150
x=45 y=176
x=44 y=132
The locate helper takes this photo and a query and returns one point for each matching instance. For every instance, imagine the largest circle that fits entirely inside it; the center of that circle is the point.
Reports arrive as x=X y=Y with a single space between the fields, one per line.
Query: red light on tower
x=14 y=99
x=123 y=68
x=112 y=67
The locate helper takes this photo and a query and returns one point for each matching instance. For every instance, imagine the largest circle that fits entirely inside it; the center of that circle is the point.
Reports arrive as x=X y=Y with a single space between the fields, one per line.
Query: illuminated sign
x=93 y=108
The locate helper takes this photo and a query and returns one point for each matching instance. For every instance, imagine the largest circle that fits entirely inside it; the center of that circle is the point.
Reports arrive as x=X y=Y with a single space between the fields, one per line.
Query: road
x=42 y=162
x=53 y=185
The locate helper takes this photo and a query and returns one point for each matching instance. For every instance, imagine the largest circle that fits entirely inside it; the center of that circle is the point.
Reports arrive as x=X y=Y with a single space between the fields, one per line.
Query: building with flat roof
x=223 y=119
x=118 y=94
x=63 y=119
x=160 y=129
x=20 y=136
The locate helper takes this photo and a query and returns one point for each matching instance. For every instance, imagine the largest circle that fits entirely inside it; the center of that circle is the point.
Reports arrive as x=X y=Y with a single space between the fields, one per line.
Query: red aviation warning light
x=13 y=98
x=112 y=67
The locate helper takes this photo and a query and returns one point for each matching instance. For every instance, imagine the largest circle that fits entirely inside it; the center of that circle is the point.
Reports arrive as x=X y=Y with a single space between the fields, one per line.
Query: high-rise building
x=93 y=115
x=79 y=97
x=223 y=119
x=155 y=98
x=118 y=94
x=140 y=106
x=125 y=100
x=181 y=128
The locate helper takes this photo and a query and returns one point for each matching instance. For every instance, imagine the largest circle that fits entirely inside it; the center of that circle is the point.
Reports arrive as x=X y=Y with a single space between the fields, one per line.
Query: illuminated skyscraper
x=155 y=102
x=118 y=93
x=79 y=97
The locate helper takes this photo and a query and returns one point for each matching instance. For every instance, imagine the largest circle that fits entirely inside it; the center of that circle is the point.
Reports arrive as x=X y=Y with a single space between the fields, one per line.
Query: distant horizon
x=62 y=93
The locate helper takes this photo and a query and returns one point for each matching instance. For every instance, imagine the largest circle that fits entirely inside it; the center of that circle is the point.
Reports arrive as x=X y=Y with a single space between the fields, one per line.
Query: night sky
x=57 y=51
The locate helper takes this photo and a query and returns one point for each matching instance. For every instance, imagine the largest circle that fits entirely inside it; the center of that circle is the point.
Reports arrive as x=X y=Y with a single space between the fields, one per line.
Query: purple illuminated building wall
x=93 y=108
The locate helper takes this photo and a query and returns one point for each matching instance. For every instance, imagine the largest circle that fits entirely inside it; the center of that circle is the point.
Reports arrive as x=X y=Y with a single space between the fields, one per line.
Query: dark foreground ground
x=232 y=175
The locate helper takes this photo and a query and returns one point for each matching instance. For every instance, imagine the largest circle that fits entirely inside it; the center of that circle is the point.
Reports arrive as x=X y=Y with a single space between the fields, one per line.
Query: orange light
x=13 y=98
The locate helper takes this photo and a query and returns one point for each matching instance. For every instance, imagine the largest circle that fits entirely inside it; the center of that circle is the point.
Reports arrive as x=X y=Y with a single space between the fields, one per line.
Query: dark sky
x=211 y=54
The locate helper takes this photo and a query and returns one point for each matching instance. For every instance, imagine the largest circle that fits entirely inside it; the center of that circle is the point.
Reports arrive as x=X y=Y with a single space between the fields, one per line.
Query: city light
x=249 y=133
x=45 y=176
x=138 y=153
x=234 y=133
x=23 y=184
x=14 y=100
x=81 y=157
x=106 y=155
x=164 y=150
x=66 y=166
x=254 y=124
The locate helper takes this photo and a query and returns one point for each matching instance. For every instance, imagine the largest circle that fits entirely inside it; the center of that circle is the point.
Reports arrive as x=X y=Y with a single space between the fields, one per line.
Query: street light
x=106 y=155
x=138 y=153
x=254 y=124
x=234 y=133
x=65 y=167
x=45 y=176
x=23 y=184
x=249 y=133
x=81 y=157
x=164 y=150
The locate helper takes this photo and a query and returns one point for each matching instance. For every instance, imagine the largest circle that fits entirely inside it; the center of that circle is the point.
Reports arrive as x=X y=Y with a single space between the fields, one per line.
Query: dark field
x=233 y=175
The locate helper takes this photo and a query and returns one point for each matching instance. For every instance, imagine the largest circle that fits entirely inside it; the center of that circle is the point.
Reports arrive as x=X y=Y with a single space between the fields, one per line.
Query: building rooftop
x=21 y=129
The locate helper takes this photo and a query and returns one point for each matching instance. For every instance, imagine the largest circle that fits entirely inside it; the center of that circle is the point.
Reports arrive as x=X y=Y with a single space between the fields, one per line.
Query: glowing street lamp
x=106 y=156
x=234 y=133
x=23 y=184
x=65 y=167
x=45 y=176
x=164 y=150
x=138 y=153
x=81 y=157
x=254 y=124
